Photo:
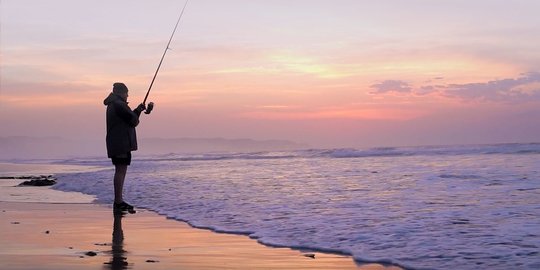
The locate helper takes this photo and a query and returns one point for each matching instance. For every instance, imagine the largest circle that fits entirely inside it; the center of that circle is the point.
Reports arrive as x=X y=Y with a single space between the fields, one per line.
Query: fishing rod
x=151 y=104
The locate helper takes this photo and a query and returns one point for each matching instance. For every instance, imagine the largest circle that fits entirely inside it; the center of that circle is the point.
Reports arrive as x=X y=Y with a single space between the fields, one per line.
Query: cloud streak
x=524 y=88
x=503 y=90
x=391 y=86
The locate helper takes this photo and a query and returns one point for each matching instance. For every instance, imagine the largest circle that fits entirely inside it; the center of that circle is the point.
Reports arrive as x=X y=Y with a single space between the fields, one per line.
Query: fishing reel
x=149 y=108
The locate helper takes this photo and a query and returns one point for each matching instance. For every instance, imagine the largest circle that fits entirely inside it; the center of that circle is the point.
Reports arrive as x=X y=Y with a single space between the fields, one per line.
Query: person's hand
x=141 y=108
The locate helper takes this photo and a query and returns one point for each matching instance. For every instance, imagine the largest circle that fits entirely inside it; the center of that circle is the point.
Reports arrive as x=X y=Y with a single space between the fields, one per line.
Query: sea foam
x=462 y=207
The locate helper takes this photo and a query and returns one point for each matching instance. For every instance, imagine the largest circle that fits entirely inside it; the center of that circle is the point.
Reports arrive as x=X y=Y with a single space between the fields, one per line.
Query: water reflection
x=118 y=254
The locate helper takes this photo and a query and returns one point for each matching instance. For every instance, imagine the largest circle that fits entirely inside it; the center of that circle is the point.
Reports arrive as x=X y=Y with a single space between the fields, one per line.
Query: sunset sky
x=343 y=73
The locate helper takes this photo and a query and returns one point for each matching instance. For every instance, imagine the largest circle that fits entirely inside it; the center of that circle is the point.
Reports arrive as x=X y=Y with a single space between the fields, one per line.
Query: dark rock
x=151 y=261
x=310 y=255
x=41 y=181
x=90 y=253
x=47 y=232
x=15 y=222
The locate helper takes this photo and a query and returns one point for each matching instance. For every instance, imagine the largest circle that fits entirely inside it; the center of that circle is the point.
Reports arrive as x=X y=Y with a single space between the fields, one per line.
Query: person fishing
x=121 y=139
x=121 y=123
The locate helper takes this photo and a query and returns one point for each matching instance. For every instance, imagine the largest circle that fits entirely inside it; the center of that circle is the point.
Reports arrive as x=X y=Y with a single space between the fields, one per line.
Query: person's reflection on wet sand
x=118 y=258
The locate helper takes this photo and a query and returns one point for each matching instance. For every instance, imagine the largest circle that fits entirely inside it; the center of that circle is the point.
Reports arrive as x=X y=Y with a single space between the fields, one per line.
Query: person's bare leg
x=119 y=177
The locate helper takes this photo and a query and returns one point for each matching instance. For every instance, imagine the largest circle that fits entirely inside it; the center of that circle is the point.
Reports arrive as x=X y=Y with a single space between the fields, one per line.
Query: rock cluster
x=43 y=180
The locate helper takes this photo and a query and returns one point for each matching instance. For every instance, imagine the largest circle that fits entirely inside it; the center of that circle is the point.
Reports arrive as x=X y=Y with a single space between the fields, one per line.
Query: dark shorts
x=124 y=159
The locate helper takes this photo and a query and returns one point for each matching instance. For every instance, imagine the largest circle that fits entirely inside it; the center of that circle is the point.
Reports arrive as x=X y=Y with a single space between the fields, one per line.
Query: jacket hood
x=112 y=98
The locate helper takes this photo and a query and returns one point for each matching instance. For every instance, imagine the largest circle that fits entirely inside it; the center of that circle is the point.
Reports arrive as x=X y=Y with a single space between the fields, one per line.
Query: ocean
x=437 y=207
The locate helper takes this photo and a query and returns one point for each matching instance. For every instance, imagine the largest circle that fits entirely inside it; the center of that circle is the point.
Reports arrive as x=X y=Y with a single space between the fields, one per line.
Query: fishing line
x=151 y=104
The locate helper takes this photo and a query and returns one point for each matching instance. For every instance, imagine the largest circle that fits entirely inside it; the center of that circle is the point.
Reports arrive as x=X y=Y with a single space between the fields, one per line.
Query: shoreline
x=49 y=229
x=88 y=236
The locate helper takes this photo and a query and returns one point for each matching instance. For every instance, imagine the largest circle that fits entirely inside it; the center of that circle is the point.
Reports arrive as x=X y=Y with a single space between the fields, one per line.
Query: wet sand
x=59 y=236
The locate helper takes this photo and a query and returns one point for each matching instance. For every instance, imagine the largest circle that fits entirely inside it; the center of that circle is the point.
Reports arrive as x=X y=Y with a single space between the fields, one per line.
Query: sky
x=341 y=73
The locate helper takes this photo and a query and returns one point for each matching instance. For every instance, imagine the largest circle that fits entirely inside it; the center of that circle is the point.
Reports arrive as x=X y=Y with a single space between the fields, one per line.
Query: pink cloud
x=390 y=86
x=524 y=88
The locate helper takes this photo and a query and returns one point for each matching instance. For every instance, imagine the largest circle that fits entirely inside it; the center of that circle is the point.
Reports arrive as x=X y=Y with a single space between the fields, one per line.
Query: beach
x=66 y=231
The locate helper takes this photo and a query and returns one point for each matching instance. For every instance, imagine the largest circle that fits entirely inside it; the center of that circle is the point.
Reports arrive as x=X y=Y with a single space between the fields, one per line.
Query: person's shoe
x=124 y=207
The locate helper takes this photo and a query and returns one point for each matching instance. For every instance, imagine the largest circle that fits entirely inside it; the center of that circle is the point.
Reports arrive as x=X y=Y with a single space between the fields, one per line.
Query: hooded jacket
x=121 y=122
